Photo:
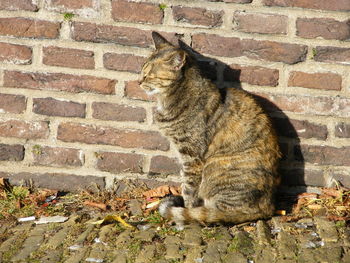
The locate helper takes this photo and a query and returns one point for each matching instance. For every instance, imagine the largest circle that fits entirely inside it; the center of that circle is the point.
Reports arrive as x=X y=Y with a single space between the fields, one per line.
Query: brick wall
x=71 y=112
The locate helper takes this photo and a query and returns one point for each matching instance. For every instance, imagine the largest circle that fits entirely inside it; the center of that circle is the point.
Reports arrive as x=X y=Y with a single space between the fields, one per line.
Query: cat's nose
x=140 y=80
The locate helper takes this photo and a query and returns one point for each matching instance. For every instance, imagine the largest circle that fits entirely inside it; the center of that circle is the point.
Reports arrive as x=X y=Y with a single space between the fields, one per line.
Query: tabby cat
x=227 y=147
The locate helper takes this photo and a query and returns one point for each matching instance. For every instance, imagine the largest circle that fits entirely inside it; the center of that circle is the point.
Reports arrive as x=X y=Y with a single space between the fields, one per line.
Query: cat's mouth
x=149 y=90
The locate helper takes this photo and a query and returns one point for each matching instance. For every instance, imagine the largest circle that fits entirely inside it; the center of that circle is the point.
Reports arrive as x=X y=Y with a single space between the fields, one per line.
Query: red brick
x=120 y=162
x=139 y=12
x=300 y=128
x=54 y=107
x=326 y=28
x=111 y=34
x=24 y=129
x=25 y=27
x=123 y=62
x=235 y=47
x=15 y=54
x=56 y=156
x=14 y=5
x=117 y=112
x=134 y=91
x=12 y=103
x=59 y=82
x=342 y=130
x=59 y=181
x=74 y=132
x=69 y=4
x=323 y=155
x=164 y=165
x=14 y=152
x=325 y=105
x=68 y=57
x=301 y=176
x=332 y=55
x=252 y=75
x=197 y=16
x=260 y=23
x=334 y=5
x=327 y=81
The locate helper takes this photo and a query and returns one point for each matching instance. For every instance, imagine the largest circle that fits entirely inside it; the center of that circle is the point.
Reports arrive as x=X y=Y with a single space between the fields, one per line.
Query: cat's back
x=244 y=130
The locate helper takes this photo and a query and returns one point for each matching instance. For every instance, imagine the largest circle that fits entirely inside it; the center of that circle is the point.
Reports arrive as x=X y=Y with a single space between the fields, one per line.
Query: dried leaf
x=315 y=207
x=174 y=190
x=332 y=192
x=160 y=191
x=98 y=205
x=280 y=212
x=111 y=219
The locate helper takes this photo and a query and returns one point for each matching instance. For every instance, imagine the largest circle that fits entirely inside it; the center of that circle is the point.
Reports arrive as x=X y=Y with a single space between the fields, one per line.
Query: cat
x=228 y=148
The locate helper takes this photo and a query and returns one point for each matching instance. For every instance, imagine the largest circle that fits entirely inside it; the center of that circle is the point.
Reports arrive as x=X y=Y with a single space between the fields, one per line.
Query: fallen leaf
x=111 y=219
x=314 y=206
x=160 y=191
x=280 y=212
x=332 y=192
x=98 y=205
x=248 y=228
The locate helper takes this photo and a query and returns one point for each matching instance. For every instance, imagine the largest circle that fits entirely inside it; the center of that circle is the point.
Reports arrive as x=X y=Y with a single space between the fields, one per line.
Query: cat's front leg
x=191 y=180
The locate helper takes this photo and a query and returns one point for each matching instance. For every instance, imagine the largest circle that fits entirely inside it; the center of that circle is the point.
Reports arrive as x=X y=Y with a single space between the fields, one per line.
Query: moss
x=162 y=6
x=68 y=16
x=37 y=150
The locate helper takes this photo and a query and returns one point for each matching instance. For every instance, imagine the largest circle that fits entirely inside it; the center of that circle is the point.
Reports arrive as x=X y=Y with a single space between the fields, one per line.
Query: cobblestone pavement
x=77 y=240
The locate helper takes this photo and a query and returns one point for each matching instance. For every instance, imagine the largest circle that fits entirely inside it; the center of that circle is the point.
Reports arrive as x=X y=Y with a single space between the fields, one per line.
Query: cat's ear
x=158 y=40
x=179 y=60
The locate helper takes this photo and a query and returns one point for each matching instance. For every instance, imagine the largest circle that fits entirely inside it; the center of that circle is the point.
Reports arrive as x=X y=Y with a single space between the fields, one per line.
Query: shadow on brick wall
x=292 y=162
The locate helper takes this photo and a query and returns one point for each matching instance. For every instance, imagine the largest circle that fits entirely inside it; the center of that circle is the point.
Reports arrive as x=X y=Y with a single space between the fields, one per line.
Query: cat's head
x=163 y=67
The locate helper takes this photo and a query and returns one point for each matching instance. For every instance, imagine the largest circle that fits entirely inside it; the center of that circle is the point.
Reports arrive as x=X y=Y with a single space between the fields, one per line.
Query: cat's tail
x=170 y=209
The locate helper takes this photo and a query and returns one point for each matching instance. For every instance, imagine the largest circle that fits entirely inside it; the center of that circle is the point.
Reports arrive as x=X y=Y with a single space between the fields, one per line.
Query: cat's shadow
x=292 y=164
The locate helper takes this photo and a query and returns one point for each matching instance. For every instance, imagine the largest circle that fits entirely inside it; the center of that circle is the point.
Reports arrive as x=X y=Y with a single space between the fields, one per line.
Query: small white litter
x=26 y=219
x=51 y=219
x=98 y=260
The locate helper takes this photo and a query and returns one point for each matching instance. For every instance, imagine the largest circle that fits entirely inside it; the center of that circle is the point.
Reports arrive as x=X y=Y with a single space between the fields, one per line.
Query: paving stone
x=347 y=237
x=31 y=244
x=146 y=255
x=172 y=240
x=324 y=255
x=235 y=257
x=105 y=232
x=53 y=256
x=193 y=236
x=120 y=257
x=263 y=232
x=96 y=254
x=265 y=254
x=286 y=245
x=193 y=254
x=346 y=257
x=124 y=237
x=243 y=243
x=82 y=237
x=56 y=240
x=16 y=232
x=77 y=256
x=214 y=251
x=173 y=252
x=145 y=235
x=135 y=207
x=326 y=229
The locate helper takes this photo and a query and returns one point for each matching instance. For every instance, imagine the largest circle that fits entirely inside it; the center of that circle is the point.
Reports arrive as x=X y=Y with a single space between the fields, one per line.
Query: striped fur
x=228 y=148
